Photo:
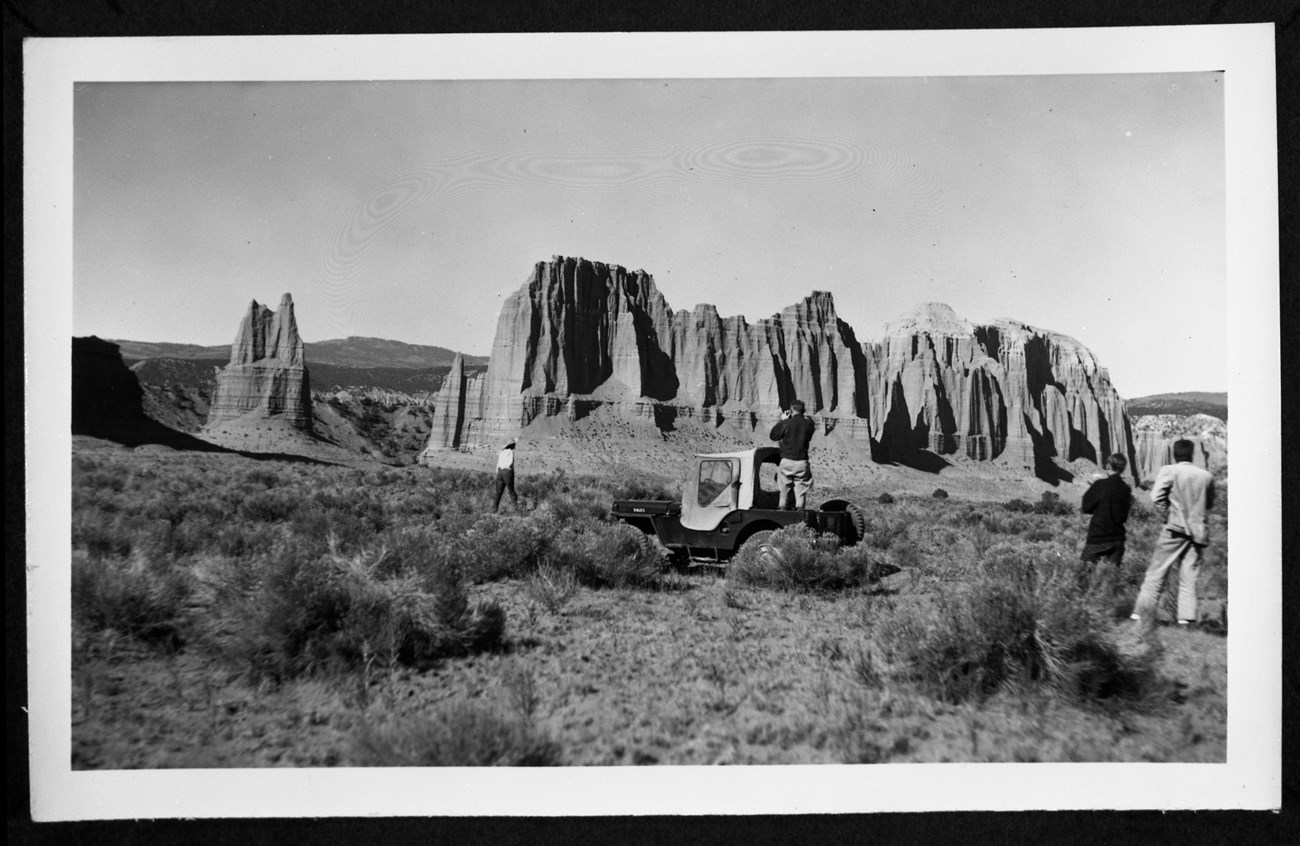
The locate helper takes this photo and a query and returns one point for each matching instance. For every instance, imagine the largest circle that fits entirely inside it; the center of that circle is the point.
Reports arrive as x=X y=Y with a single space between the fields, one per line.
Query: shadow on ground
x=148 y=432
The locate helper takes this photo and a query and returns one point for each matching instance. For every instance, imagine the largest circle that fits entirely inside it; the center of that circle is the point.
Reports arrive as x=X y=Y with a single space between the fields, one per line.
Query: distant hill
x=377 y=352
x=199 y=375
x=133 y=351
x=347 y=352
x=407 y=380
x=347 y=363
x=1185 y=404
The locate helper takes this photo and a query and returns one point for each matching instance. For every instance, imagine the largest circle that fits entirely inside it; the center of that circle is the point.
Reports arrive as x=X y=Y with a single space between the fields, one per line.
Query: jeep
x=729 y=500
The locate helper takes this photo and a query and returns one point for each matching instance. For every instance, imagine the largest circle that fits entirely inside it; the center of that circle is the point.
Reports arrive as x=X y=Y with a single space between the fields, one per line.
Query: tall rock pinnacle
x=267 y=375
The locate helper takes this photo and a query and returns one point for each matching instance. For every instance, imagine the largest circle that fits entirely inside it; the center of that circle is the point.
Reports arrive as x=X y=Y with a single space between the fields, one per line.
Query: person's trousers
x=794 y=474
x=505 y=482
x=1171 y=548
x=1102 y=562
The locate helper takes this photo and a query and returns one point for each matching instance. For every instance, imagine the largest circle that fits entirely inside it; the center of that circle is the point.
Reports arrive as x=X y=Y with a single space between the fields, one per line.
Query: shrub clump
x=1051 y=504
x=798 y=558
x=551 y=587
x=501 y=547
x=606 y=555
x=462 y=735
x=1022 y=620
x=939 y=493
x=139 y=596
x=1018 y=506
x=886 y=498
x=312 y=610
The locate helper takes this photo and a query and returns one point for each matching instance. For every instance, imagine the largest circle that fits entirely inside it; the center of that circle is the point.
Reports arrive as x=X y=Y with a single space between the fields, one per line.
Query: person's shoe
x=1186 y=623
x=1134 y=617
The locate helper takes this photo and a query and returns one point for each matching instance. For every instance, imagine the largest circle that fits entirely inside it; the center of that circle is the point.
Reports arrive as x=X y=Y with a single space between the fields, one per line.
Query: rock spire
x=267 y=375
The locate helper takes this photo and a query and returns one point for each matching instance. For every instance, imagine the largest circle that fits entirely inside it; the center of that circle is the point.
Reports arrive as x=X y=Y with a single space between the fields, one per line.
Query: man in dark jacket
x=1107 y=500
x=794 y=431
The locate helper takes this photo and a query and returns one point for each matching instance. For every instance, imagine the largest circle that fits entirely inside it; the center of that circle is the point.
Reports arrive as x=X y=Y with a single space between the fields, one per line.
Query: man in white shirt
x=506 y=476
x=1184 y=493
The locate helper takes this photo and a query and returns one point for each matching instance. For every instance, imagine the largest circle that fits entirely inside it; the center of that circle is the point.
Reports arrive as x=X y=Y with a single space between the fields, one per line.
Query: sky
x=1091 y=205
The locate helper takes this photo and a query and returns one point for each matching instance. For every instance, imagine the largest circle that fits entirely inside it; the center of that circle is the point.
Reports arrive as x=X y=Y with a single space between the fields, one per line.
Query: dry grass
x=236 y=613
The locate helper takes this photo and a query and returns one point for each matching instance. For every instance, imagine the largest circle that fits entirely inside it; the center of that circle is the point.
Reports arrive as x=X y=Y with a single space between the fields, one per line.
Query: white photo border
x=1251 y=776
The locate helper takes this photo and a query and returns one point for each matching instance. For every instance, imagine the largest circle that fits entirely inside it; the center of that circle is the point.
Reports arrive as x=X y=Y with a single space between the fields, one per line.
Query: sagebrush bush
x=1022 y=619
x=643 y=486
x=460 y=735
x=102 y=532
x=606 y=555
x=136 y=595
x=583 y=504
x=1051 y=503
x=311 y=608
x=799 y=558
x=551 y=587
x=506 y=546
x=882 y=532
x=269 y=506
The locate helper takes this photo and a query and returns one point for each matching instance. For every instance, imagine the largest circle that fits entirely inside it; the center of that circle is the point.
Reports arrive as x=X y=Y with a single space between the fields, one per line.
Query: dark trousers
x=505 y=482
x=1101 y=563
x=1108 y=552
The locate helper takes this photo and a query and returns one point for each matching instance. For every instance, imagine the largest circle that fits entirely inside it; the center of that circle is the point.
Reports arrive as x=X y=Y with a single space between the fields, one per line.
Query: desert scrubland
x=234 y=612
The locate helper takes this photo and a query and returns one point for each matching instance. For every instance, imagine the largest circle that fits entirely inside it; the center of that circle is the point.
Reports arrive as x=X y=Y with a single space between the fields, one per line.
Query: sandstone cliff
x=267 y=375
x=1154 y=436
x=942 y=384
x=108 y=401
x=106 y=396
x=581 y=335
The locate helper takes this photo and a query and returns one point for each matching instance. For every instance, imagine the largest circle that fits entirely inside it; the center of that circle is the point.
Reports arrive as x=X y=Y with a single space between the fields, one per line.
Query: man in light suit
x=505 y=480
x=1184 y=493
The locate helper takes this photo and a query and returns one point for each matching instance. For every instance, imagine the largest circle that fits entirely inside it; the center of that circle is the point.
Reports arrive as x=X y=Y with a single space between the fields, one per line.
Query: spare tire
x=859 y=518
x=856 y=516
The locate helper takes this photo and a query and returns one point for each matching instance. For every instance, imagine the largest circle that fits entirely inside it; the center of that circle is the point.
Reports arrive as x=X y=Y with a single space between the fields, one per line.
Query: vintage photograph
x=627 y=422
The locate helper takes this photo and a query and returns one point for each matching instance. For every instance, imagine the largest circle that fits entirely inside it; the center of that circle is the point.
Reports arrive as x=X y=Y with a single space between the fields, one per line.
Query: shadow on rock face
x=923 y=460
x=107 y=404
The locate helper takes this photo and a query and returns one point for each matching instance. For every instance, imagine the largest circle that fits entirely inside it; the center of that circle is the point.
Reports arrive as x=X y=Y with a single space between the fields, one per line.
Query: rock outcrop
x=941 y=384
x=1154 y=436
x=267 y=375
x=108 y=401
x=106 y=396
x=581 y=335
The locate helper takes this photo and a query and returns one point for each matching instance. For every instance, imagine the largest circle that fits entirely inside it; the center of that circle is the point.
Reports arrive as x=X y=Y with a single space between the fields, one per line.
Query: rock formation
x=1154 y=436
x=106 y=396
x=108 y=401
x=449 y=409
x=267 y=375
x=941 y=384
x=580 y=335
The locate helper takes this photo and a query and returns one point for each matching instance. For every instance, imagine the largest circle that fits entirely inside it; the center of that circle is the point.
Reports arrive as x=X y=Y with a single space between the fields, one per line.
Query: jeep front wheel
x=759 y=549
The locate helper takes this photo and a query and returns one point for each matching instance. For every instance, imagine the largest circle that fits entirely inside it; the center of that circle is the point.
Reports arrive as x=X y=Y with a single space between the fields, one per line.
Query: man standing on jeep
x=794 y=431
